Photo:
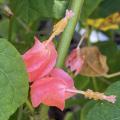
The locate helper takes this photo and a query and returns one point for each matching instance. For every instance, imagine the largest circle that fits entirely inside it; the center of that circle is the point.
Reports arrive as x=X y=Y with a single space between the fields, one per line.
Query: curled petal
x=49 y=91
x=74 y=62
x=40 y=59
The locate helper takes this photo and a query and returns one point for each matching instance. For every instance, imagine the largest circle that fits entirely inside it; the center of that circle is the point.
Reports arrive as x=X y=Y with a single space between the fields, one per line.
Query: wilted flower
x=75 y=61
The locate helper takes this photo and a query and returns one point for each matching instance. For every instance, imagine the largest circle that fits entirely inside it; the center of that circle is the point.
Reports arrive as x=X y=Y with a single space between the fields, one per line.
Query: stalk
x=76 y=7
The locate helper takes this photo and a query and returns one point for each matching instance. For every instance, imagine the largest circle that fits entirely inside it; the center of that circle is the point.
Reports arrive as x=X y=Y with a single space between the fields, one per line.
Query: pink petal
x=40 y=59
x=69 y=13
x=74 y=62
x=59 y=73
x=49 y=91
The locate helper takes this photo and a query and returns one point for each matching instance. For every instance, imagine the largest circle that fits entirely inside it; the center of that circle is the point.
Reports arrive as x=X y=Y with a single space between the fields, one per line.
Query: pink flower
x=52 y=90
x=40 y=59
x=69 y=14
x=75 y=61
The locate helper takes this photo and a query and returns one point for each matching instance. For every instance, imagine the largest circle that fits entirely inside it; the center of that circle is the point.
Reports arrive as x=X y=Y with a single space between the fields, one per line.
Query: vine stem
x=19 y=117
x=112 y=75
x=10 y=29
x=76 y=7
x=30 y=106
x=95 y=84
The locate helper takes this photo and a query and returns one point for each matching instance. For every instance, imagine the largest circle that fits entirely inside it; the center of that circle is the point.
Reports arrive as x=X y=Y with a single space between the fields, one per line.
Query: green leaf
x=88 y=7
x=81 y=81
x=69 y=116
x=112 y=52
x=13 y=80
x=105 y=110
x=30 y=10
x=4 y=25
x=106 y=8
x=87 y=107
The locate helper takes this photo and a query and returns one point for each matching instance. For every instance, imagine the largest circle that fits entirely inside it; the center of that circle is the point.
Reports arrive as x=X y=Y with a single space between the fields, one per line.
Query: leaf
x=4 y=24
x=13 y=80
x=106 y=8
x=105 y=110
x=69 y=116
x=81 y=81
x=94 y=62
x=87 y=107
x=33 y=10
x=109 y=23
x=88 y=7
x=112 y=52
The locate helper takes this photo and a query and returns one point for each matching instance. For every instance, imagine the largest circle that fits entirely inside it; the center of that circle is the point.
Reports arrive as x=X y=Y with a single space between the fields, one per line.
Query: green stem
x=30 y=106
x=112 y=75
x=76 y=6
x=95 y=84
x=10 y=29
x=20 y=112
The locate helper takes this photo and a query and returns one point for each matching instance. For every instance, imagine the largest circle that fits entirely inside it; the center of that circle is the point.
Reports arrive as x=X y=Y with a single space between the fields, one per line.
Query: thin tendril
x=81 y=40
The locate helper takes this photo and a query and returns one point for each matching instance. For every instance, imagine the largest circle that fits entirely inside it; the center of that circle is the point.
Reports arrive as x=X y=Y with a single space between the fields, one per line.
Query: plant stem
x=19 y=117
x=95 y=84
x=10 y=29
x=112 y=75
x=81 y=40
x=30 y=106
x=76 y=6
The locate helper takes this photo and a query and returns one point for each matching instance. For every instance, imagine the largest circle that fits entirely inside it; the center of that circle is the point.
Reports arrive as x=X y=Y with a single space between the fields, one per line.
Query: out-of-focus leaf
x=29 y=10
x=94 y=62
x=2 y=1
x=106 y=8
x=4 y=24
x=69 y=116
x=13 y=80
x=87 y=107
x=81 y=81
x=105 y=110
x=112 y=52
x=88 y=7
x=109 y=23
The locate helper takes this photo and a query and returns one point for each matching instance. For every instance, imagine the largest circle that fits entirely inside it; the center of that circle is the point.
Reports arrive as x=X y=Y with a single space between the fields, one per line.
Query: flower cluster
x=50 y=85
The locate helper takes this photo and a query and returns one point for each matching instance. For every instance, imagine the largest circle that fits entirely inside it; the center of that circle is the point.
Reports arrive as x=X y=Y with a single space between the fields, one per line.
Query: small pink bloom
x=75 y=61
x=111 y=98
x=51 y=90
x=69 y=14
x=40 y=59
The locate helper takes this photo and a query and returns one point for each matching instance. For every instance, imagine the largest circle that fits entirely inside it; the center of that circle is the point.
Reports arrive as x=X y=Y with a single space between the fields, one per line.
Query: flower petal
x=75 y=61
x=40 y=59
x=59 y=73
x=48 y=90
